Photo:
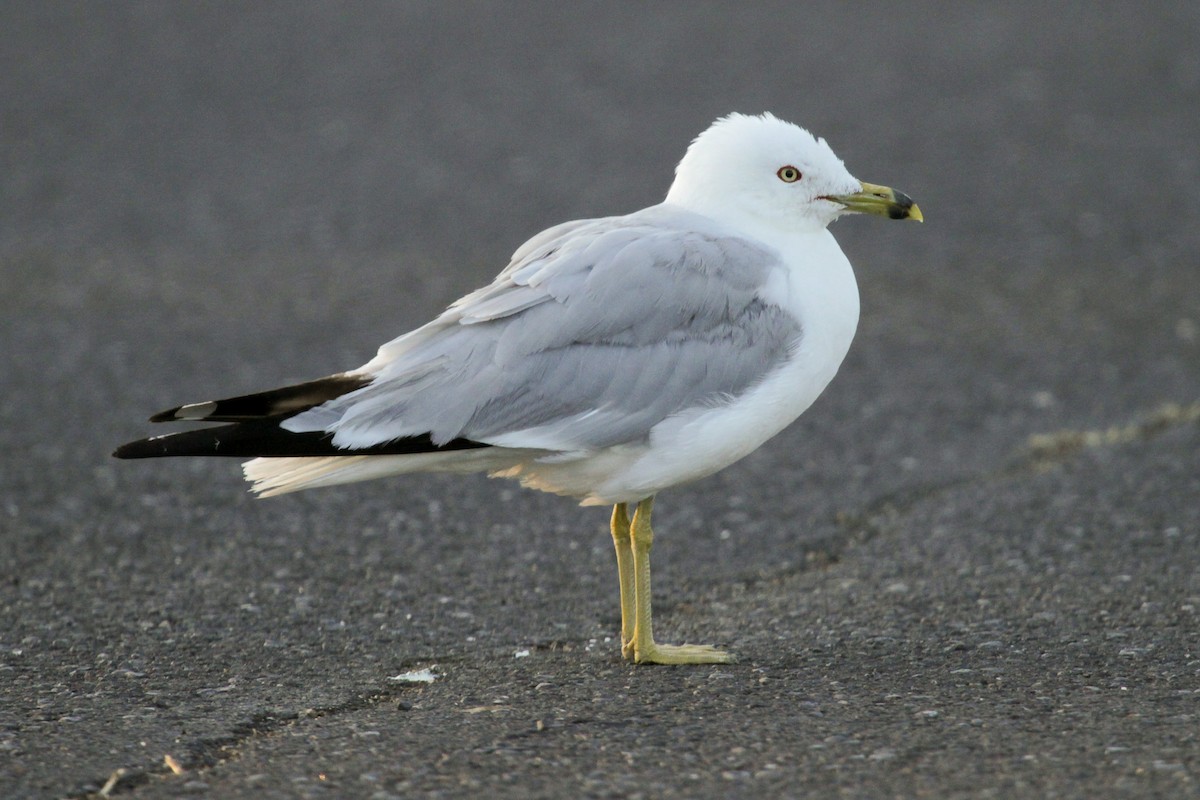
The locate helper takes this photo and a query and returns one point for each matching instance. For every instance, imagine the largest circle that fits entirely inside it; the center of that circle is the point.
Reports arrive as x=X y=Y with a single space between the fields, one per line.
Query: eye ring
x=789 y=174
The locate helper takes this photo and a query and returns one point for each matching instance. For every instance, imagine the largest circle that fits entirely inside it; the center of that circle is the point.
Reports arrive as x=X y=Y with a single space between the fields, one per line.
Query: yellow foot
x=682 y=654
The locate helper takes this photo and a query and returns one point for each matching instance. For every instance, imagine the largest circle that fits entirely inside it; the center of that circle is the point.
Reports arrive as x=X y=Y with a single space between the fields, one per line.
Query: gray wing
x=596 y=332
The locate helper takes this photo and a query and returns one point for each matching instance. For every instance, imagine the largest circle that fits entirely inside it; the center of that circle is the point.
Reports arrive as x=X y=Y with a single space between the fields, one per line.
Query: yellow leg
x=621 y=542
x=645 y=650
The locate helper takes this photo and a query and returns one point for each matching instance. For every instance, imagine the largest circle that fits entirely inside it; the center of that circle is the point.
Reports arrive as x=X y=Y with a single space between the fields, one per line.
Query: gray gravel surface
x=971 y=570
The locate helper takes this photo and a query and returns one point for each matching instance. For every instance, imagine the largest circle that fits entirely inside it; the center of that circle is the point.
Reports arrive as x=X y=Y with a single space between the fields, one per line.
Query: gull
x=611 y=359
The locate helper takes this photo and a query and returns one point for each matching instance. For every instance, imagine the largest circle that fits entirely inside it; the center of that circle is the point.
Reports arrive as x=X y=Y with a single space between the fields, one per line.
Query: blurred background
x=202 y=199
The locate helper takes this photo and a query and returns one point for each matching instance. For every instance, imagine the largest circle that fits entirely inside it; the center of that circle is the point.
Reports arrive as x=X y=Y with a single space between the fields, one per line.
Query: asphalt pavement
x=972 y=569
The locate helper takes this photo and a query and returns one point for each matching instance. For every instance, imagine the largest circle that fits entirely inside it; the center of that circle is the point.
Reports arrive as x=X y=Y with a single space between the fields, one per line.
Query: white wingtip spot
x=196 y=411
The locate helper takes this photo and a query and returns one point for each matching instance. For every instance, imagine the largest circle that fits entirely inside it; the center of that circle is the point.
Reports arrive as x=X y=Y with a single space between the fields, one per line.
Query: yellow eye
x=789 y=174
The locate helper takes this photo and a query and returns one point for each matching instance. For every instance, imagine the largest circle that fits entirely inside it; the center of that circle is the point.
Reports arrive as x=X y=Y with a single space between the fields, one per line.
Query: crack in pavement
x=1054 y=448
x=206 y=754
x=1041 y=452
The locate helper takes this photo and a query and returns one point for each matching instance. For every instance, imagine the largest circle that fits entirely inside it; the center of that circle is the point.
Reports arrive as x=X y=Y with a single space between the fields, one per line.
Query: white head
x=763 y=168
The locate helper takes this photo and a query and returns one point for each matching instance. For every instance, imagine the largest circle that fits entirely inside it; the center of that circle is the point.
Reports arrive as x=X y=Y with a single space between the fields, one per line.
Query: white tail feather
x=273 y=476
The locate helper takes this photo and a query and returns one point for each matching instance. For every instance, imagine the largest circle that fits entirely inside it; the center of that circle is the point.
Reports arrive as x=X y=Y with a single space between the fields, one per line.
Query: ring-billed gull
x=611 y=359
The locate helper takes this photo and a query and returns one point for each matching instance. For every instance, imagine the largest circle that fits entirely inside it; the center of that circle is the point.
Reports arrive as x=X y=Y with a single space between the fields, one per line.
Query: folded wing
x=597 y=331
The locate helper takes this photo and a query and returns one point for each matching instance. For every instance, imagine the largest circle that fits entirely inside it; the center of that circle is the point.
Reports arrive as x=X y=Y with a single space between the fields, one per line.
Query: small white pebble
x=426 y=675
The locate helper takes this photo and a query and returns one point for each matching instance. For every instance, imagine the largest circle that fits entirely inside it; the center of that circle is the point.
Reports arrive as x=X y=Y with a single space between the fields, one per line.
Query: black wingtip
x=266 y=438
x=275 y=403
x=165 y=416
x=142 y=448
